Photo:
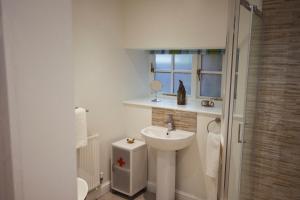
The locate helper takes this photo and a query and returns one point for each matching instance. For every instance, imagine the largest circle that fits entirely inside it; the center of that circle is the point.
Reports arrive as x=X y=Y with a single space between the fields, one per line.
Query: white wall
x=105 y=73
x=6 y=180
x=190 y=162
x=175 y=24
x=37 y=41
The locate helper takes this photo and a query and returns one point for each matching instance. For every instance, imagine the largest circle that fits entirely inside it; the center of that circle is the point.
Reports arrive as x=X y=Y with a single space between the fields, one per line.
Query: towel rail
x=217 y=120
x=86 y=110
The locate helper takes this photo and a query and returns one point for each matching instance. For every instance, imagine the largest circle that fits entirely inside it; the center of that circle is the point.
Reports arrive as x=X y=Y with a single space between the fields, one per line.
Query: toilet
x=82 y=188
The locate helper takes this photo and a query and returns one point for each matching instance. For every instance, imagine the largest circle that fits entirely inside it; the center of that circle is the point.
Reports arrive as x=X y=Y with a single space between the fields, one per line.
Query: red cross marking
x=121 y=162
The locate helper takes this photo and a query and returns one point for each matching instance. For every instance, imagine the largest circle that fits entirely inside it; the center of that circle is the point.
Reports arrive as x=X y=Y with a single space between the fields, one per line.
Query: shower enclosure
x=244 y=86
x=263 y=123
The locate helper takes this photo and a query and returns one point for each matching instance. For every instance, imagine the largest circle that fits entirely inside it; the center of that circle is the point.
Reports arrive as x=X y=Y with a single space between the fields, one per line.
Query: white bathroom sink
x=82 y=188
x=166 y=143
x=159 y=138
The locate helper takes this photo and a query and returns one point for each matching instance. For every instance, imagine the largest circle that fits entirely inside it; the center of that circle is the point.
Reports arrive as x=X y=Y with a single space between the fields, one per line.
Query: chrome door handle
x=240 y=141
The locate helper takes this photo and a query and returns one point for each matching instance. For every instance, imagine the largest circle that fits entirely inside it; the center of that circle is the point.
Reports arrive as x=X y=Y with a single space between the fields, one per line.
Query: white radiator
x=88 y=162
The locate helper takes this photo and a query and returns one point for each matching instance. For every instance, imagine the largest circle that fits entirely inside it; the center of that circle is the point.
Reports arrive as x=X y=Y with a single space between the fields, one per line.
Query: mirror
x=155 y=87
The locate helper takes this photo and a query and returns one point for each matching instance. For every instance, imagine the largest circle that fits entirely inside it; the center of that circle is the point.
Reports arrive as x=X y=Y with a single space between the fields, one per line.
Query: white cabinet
x=129 y=167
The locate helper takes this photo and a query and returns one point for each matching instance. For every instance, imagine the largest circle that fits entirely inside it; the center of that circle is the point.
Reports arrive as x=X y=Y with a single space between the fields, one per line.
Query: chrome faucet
x=170 y=123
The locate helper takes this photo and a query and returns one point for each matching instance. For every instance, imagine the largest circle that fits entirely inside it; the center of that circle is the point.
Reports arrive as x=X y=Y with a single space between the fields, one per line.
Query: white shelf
x=166 y=103
x=121 y=168
x=123 y=144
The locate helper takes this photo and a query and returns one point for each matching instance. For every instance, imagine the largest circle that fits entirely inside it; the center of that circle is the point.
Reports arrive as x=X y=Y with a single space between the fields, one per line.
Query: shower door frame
x=228 y=92
x=228 y=107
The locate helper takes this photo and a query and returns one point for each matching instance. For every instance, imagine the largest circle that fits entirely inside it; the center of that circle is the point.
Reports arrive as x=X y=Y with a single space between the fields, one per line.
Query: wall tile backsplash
x=183 y=120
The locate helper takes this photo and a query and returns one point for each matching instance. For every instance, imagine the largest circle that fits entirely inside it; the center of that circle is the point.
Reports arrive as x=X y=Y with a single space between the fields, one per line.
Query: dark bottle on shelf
x=181 y=94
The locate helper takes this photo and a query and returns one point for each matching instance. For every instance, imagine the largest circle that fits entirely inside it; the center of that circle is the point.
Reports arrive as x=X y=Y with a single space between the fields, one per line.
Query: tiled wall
x=183 y=120
x=271 y=156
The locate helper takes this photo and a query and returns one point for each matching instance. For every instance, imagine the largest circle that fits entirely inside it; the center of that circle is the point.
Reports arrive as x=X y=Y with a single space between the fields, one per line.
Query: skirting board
x=151 y=187
x=96 y=193
x=180 y=195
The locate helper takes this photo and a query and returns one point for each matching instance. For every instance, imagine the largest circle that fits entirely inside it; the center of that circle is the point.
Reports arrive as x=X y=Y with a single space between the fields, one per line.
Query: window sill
x=170 y=103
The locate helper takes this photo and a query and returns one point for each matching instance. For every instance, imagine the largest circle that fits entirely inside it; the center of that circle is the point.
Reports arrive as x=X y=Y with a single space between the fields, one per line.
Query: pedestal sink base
x=165 y=175
x=167 y=143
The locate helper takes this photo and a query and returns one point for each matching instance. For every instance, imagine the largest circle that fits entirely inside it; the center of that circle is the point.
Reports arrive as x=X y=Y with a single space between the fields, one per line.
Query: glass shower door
x=244 y=82
x=255 y=59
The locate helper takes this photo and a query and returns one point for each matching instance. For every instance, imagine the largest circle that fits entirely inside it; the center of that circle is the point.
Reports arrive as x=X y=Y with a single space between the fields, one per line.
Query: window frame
x=172 y=72
x=195 y=81
x=222 y=73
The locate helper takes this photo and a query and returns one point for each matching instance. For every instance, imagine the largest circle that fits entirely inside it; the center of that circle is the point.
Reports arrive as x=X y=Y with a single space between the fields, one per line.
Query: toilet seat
x=82 y=188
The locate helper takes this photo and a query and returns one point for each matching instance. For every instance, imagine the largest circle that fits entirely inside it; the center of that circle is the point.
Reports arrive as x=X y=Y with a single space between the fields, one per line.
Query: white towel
x=213 y=154
x=81 y=127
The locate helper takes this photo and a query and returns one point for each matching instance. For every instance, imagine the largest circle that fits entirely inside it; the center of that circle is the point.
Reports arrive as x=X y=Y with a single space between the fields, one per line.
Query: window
x=170 y=68
x=200 y=70
x=210 y=75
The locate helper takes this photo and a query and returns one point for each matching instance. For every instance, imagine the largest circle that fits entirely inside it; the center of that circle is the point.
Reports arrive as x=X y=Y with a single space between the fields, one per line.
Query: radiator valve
x=101 y=177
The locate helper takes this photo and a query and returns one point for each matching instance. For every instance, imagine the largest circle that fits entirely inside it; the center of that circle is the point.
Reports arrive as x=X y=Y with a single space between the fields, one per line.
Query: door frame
x=227 y=110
